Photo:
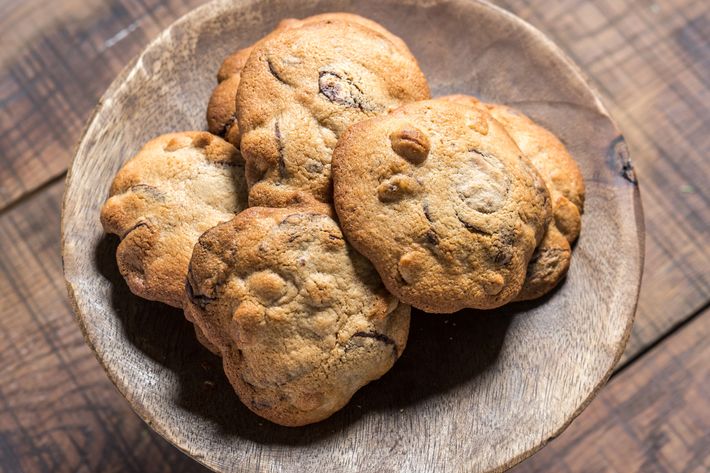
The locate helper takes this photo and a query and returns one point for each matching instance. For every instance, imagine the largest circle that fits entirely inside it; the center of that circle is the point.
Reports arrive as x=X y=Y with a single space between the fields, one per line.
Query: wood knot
x=619 y=157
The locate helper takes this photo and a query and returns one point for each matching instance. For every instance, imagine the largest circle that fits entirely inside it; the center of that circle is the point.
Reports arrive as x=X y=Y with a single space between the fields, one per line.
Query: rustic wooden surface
x=653 y=416
x=60 y=413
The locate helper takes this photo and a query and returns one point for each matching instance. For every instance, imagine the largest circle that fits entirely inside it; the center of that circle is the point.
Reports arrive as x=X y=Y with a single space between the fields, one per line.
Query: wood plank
x=653 y=417
x=58 y=410
x=649 y=60
x=55 y=62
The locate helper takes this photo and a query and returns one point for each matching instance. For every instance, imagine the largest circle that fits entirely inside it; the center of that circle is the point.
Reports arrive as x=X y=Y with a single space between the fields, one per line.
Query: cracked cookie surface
x=564 y=180
x=161 y=201
x=301 y=89
x=441 y=200
x=301 y=320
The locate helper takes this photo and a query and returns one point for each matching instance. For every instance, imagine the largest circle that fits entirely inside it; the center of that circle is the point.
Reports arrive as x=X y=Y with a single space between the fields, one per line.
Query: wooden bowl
x=475 y=391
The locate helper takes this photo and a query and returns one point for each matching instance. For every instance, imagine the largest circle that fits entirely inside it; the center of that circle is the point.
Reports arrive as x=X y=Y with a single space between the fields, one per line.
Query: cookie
x=554 y=163
x=161 y=201
x=234 y=63
x=301 y=320
x=548 y=265
x=222 y=110
x=564 y=180
x=291 y=23
x=301 y=89
x=440 y=199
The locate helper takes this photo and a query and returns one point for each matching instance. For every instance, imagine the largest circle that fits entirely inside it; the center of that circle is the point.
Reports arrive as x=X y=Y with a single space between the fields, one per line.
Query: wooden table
x=650 y=60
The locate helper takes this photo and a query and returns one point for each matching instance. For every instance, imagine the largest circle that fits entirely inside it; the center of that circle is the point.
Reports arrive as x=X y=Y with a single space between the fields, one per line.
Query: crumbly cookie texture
x=301 y=89
x=564 y=180
x=440 y=199
x=161 y=201
x=301 y=320
x=222 y=109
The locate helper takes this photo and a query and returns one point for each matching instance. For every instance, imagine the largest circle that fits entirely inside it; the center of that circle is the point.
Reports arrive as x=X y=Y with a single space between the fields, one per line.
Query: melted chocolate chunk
x=283 y=172
x=340 y=89
x=274 y=72
x=379 y=337
x=200 y=300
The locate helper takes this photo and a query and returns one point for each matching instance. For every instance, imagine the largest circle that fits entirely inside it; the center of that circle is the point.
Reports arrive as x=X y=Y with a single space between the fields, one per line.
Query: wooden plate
x=474 y=391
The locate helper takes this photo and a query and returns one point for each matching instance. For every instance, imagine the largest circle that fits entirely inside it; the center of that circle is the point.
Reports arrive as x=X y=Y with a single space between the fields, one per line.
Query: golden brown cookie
x=162 y=200
x=440 y=199
x=301 y=320
x=301 y=89
x=234 y=63
x=222 y=110
x=564 y=181
x=553 y=161
x=548 y=265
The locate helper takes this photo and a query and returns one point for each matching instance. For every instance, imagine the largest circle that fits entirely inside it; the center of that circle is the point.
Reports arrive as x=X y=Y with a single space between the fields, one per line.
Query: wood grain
x=58 y=412
x=648 y=59
x=509 y=384
x=653 y=417
x=55 y=62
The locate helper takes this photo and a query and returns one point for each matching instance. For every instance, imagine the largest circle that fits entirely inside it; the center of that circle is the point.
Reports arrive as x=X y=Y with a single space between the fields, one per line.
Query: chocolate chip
x=502 y=252
x=283 y=172
x=381 y=337
x=314 y=167
x=431 y=237
x=200 y=300
x=502 y=255
x=231 y=121
x=339 y=88
x=260 y=405
x=142 y=223
x=274 y=72
x=482 y=184
x=153 y=191
x=427 y=212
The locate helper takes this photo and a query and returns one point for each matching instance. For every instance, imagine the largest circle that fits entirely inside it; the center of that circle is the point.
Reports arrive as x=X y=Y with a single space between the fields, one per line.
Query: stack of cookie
x=329 y=196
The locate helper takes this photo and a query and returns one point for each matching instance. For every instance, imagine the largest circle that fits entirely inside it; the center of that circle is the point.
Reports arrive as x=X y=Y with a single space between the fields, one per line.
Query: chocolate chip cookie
x=440 y=199
x=222 y=110
x=161 y=201
x=301 y=320
x=564 y=181
x=301 y=89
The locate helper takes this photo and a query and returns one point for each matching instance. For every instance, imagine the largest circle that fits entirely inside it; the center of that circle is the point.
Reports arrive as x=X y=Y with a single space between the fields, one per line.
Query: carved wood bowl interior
x=474 y=391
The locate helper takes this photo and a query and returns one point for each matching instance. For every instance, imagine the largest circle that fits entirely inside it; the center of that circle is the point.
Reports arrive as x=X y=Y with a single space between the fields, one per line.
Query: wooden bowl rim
x=146 y=414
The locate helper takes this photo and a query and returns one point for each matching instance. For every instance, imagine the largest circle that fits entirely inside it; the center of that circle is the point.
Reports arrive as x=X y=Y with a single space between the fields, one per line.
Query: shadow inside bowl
x=443 y=352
